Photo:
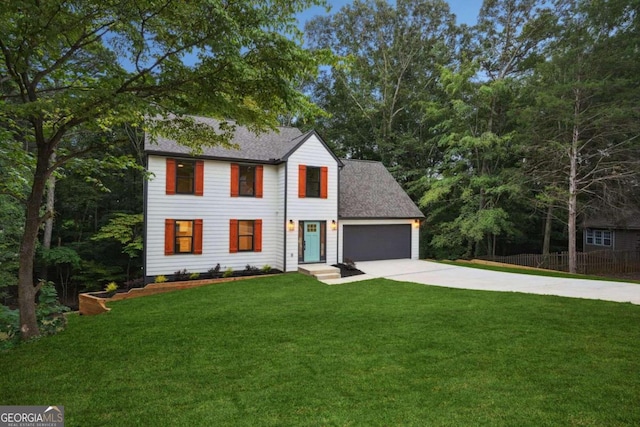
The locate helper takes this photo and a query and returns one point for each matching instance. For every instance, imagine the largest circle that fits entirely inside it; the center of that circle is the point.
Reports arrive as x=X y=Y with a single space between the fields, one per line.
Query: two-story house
x=280 y=199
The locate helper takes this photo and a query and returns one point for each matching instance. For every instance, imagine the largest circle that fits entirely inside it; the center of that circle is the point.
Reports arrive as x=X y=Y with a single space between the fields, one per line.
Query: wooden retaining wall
x=91 y=305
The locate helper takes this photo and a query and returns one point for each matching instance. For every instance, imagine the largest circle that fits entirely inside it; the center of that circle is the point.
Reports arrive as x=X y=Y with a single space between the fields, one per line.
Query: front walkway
x=451 y=276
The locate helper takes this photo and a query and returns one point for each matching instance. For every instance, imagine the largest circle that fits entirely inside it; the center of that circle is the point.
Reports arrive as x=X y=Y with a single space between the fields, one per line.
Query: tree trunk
x=48 y=225
x=573 y=186
x=26 y=289
x=546 y=241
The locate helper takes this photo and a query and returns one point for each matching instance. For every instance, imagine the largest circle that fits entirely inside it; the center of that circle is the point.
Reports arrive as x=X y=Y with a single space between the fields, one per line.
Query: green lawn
x=289 y=351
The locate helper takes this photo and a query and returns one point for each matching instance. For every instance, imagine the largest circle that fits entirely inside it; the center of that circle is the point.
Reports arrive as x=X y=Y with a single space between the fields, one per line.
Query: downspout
x=338 y=219
x=145 y=197
x=284 y=219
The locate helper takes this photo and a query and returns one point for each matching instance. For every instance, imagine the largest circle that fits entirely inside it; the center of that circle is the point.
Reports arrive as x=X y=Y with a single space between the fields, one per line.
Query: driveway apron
x=451 y=276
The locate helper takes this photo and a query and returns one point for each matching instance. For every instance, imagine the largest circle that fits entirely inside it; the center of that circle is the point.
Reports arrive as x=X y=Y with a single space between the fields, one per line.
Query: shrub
x=160 y=279
x=9 y=327
x=228 y=272
x=213 y=272
x=348 y=262
x=266 y=268
x=251 y=268
x=111 y=287
x=194 y=276
x=135 y=283
x=181 y=275
x=49 y=310
x=49 y=313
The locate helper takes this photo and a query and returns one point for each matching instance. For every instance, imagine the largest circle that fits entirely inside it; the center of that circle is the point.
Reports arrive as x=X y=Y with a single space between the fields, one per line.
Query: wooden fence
x=600 y=262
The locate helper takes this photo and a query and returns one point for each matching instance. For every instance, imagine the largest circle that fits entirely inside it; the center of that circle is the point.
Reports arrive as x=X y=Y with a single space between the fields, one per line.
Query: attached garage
x=376 y=242
x=377 y=219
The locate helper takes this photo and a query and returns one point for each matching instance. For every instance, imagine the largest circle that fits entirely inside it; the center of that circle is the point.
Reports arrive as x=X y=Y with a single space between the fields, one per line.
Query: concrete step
x=320 y=271
x=327 y=276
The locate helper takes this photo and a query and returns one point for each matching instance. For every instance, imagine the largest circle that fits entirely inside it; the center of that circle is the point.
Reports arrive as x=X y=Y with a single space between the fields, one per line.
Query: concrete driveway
x=431 y=273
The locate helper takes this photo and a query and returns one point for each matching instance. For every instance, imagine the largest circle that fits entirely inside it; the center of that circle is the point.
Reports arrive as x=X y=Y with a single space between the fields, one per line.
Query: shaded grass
x=288 y=350
x=546 y=273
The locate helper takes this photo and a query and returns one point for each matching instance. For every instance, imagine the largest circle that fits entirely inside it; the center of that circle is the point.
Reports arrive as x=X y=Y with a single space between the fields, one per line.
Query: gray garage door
x=373 y=242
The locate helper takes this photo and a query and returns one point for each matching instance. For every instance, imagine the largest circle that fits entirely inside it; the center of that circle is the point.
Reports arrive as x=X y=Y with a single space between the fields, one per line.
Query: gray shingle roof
x=626 y=219
x=265 y=147
x=368 y=190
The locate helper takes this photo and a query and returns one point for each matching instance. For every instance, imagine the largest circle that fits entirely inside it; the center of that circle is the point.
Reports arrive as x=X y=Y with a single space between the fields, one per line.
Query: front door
x=311 y=242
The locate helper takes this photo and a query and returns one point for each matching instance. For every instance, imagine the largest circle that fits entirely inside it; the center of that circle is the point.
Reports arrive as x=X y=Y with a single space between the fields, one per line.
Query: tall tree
x=386 y=73
x=481 y=152
x=92 y=64
x=584 y=120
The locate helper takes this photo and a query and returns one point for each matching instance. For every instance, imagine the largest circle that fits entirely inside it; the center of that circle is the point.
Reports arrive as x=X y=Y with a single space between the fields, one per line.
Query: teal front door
x=311 y=242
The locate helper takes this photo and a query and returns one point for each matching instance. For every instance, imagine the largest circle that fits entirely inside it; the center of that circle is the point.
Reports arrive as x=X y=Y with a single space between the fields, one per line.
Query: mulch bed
x=347 y=270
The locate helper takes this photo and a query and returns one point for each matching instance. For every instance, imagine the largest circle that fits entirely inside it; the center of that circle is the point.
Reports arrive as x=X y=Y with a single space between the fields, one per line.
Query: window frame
x=599 y=237
x=308 y=181
x=177 y=237
x=253 y=235
x=192 y=176
x=253 y=168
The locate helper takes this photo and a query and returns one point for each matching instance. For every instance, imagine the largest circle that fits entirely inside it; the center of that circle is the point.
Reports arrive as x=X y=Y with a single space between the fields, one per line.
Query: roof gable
x=304 y=138
x=368 y=190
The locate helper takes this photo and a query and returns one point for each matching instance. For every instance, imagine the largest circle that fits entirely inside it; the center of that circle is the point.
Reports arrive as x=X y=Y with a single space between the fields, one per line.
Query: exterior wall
x=281 y=217
x=311 y=153
x=216 y=207
x=415 y=232
x=623 y=240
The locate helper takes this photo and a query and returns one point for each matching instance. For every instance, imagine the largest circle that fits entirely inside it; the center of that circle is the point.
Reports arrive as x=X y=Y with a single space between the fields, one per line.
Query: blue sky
x=466 y=11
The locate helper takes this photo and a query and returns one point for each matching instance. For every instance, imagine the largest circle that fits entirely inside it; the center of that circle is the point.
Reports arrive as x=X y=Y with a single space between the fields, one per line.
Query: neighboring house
x=280 y=199
x=612 y=232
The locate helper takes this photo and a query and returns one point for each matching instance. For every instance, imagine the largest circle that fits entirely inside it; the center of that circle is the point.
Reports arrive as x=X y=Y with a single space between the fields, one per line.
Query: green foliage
x=68 y=57
x=49 y=310
x=228 y=272
x=194 y=276
x=126 y=229
x=111 y=287
x=11 y=227
x=93 y=275
x=60 y=256
x=266 y=268
x=9 y=327
x=160 y=279
x=49 y=313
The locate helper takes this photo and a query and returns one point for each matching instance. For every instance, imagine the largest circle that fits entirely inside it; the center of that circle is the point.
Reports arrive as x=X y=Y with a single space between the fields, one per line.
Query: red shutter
x=324 y=172
x=199 y=191
x=171 y=176
x=257 y=235
x=235 y=180
x=169 y=236
x=302 y=181
x=197 y=237
x=258 y=183
x=233 y=235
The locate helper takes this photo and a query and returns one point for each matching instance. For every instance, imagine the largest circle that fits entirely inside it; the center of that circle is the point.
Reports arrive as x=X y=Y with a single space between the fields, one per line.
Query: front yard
x=287 y=350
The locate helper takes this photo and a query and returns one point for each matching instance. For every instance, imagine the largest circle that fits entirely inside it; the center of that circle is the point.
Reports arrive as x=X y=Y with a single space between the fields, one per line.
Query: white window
x=599 y=237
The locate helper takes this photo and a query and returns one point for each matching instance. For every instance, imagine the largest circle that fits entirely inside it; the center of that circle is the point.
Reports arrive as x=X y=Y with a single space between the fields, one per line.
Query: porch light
x=416 y=223
x=334 y=226
x=291 y=226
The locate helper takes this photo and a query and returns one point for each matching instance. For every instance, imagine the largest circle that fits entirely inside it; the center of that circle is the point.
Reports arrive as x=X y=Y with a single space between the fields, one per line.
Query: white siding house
x=280 y=199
